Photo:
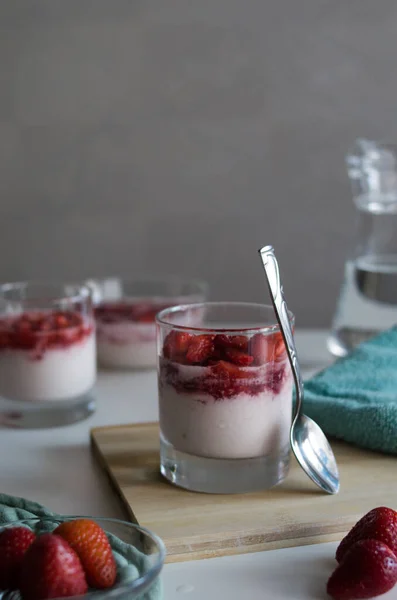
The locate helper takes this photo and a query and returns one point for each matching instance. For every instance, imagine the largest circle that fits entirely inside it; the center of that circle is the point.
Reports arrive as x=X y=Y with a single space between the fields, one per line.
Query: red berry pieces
x=207 y=349
x=379 y=524
x=14 y=542
x=259 y=349
x=135 y=312
x=267 y=348
x=92 y=546
x=51 y=569
x=41 y=330
x=238 y=358
x=201 y=347
x=231 y=341
x=176 y=344
x=368 y=569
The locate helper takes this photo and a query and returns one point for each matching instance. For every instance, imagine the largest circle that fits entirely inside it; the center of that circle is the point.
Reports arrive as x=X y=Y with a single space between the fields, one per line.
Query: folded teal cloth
x=131 y=563
x=356 y=398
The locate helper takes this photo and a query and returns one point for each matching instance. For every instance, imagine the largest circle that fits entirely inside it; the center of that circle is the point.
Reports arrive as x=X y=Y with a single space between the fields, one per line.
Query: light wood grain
x=197 y=526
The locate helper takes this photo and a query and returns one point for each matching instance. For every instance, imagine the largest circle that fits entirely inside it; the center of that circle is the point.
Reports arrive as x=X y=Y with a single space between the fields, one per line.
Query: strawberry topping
x=223 y=379
x=42 y=330
x=208 y=349
x=233 y=363
x=136 y=312
x=201 y=348
x=176 y=345
x=233 y=341
x=238 y=358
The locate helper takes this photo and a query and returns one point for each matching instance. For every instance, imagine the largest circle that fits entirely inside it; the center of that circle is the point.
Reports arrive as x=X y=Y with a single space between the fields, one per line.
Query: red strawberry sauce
x=42 y=330
x=136 y=312
x=223 y=366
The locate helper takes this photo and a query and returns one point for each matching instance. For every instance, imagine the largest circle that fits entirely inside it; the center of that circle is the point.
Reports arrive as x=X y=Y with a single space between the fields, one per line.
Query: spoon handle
x=270 y=265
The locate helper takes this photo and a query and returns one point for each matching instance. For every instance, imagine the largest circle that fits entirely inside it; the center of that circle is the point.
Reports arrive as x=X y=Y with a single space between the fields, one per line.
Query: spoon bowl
x=314 y=454
x=308 y=442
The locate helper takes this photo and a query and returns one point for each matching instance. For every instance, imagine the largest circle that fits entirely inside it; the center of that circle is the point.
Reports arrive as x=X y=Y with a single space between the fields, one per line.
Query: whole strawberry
x=51 y=569
x=14 y=542
x=368 y=569
x=378 y=524
x=91 y=544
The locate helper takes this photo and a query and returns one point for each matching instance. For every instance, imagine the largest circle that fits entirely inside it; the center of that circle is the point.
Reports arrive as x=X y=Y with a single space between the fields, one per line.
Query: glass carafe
x=368 y=298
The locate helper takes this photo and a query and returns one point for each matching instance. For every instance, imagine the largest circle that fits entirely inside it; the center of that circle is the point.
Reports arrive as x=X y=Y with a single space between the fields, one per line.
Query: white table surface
x=55 y=467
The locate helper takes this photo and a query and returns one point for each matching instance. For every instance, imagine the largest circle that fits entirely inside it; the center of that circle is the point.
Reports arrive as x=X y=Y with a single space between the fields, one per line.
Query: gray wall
x=180 y=135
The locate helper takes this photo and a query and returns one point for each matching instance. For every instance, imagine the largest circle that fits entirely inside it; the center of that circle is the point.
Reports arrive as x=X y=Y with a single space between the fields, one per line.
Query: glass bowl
x=132 y=580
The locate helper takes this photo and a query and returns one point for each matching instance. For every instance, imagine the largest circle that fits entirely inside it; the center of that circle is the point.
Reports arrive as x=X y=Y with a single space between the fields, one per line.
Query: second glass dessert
x=225 y=397
x=125 y=312
x=47 y=354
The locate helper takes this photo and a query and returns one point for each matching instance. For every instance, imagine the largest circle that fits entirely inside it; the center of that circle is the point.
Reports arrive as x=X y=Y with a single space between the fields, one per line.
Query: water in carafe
x=368 y=299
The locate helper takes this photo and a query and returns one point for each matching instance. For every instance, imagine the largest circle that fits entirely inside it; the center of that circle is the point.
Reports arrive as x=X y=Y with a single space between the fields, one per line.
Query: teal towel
x=130 y=562
x=356 y=398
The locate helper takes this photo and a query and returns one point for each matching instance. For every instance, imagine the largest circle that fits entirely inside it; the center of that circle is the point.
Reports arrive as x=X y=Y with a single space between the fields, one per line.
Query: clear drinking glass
x=225 y=397
x=367 y=302
x=133 y=580
x=125 y=311
x=47 y=354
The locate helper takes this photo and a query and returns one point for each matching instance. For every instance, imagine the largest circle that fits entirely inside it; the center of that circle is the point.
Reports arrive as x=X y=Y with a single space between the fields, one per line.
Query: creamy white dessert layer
x=134 y=355
x=60 y=374
x=126 y=345
x=243 y=426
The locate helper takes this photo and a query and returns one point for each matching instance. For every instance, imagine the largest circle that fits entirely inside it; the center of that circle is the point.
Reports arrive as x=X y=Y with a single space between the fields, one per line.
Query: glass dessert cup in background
x=125 y=312
x=225 y=397
x=132 y=581
x=47 y=354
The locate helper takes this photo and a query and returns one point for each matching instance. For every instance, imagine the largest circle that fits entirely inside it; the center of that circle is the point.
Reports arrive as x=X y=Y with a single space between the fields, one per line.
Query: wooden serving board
x=195 y=525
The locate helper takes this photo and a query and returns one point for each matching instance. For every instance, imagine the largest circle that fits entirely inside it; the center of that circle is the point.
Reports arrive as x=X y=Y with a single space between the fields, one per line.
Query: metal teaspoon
x=308 y=441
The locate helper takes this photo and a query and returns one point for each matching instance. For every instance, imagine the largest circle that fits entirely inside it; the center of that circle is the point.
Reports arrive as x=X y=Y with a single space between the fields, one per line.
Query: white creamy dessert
x=245 y=425
x=126 y=333
x=225 y=396
x=46 y=365
x=126 y=346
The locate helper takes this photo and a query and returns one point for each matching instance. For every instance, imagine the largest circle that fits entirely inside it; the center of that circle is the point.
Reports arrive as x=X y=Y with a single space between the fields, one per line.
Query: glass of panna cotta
x=225 y=397
x=125 y=312
x=47 y=354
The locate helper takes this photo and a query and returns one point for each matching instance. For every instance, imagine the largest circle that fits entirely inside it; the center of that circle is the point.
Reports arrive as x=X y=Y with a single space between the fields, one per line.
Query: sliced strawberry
x=14 y=542
x=51 y=569
x=267 y=348
x=91 y=544
x=368 y=569
x=221 y=340
x=200 y=349
x=38 y=331
x=136 y=312
x=62 y=321
x=379 y=524
x=238 y=358
x=240 y=342
x=279 y=346
x=259 y=348
x=148 y=317
x=234 y=341
x=176 y=344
